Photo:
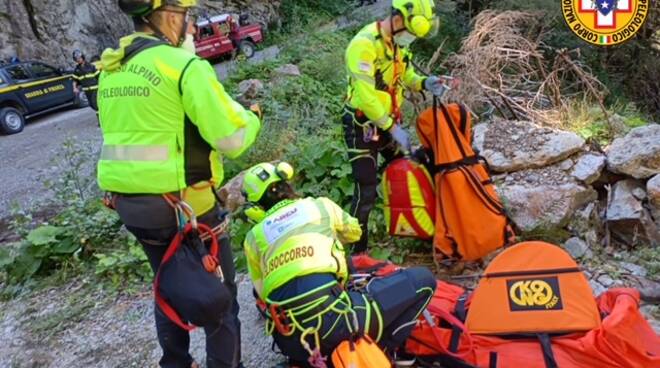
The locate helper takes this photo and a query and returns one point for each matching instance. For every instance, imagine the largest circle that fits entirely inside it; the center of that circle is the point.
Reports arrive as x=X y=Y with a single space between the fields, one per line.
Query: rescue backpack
x=470 y=221
x=189 y=286
x=533 y=308
x=409 y=199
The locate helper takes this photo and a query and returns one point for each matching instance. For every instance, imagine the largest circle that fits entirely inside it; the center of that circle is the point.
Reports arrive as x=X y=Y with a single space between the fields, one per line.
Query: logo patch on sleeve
x=365 y=67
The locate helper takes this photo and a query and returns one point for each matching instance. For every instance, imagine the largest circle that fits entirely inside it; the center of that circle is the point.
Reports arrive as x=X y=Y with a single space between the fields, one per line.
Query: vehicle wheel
x=247 y=48
x=80 y=100
x=11 y=120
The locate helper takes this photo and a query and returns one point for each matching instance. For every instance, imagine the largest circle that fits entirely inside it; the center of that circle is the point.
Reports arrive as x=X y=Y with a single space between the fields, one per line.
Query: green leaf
x=66 y=246
x=380 y=253
x=44 y=235
x=6 y=257
x=25 y=266
x=345 y=184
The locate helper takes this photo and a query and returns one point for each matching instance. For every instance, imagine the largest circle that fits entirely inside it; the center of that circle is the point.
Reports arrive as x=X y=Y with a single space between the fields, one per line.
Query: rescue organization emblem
x=605 y=22
x=534 y=294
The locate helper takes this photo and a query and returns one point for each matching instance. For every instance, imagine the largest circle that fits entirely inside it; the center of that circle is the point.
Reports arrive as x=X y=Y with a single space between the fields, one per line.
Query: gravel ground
x=27 y=156
x=76 y=326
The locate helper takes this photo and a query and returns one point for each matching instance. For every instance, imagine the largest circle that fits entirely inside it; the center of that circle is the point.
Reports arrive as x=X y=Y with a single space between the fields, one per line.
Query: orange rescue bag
x=470 y=219
x=534 y=308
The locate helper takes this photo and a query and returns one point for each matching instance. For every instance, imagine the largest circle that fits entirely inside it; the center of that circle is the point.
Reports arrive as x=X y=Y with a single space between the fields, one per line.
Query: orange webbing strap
x=209 y=260
x=394 y=96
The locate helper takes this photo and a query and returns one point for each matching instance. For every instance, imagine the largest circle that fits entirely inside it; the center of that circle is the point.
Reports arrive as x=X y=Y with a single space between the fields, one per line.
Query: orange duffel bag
x=409 y=199
x=470 y=220
x=534 y=308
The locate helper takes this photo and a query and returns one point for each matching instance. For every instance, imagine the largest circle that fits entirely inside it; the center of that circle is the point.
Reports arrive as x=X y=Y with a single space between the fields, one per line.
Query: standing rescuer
x=86 y=77
x=166 y=123
x=297 y=263
x=379 y=68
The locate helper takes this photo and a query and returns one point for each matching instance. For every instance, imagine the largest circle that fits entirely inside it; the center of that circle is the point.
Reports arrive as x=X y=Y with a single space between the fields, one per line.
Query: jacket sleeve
x=223 y=123
x=253 y=263
x=411 y=79
x=360 y=58
x=346 y=227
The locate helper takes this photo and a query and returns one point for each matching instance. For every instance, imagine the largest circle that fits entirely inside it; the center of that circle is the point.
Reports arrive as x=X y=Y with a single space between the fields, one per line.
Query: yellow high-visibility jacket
x=371 y=64
x=299 y=238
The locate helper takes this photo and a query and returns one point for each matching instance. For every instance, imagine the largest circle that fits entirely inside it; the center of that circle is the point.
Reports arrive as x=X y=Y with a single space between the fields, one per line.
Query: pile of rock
x=554 y=185
x=550 y=180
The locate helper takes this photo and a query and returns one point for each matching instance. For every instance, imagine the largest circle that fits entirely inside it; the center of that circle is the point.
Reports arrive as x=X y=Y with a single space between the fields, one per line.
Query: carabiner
x=277 y=315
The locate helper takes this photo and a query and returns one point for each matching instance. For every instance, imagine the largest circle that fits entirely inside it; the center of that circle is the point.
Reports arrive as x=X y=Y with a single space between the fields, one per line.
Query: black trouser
x=364 y=161
x=398 y=298
x=91 y=98
x=223 y=340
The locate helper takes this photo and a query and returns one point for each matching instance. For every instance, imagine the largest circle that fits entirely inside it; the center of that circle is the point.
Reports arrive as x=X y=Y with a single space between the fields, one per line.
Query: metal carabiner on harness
x=210 y=261
x=278 y=315
x=316 y=360
x=370 y=133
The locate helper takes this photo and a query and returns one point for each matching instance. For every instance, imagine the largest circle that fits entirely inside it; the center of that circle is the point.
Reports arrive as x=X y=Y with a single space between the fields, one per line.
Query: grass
x=589 y=121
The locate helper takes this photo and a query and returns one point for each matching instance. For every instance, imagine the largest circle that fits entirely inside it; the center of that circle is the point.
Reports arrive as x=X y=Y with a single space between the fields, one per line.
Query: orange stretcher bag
x=534 y=308
x=409 y=199
x=470 y=221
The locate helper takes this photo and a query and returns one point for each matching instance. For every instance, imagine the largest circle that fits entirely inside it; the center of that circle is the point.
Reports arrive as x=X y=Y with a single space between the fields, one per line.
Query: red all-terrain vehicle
x=222 y=35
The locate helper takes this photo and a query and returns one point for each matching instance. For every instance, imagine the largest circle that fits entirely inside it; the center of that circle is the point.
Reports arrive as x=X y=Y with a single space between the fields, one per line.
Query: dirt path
x=27 y=157
x=79 y=325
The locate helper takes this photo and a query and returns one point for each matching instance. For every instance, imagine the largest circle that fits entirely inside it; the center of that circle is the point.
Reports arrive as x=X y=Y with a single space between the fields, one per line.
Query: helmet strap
x=184 y=28
x=155 y=29
x=395 y=47
x=160 y=34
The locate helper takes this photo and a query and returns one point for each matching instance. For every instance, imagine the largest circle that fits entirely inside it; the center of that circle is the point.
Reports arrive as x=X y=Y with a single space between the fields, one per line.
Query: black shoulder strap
x=184 y=72
x=460 y=313
x=463 y=120
x=140 y=44
x=452 y=128
x=492 y=359
x=548 y=355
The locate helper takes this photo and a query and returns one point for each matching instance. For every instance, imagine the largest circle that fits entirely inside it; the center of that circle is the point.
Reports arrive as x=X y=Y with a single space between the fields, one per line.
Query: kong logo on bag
x=534 y=294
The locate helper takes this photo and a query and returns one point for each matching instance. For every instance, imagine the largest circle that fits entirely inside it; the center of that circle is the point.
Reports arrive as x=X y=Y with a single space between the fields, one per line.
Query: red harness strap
x=210 y=261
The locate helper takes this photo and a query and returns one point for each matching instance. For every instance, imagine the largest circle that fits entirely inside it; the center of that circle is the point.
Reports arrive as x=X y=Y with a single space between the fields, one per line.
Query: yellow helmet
x=418 y=16
x=256 y=182
x=141 y=8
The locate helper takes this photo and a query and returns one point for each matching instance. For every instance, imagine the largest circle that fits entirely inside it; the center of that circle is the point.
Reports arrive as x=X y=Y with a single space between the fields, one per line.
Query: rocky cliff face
x=49 y=30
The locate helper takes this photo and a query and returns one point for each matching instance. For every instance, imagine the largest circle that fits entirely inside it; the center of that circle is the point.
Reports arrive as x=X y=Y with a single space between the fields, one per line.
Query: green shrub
x=83 y=233
x=298 y=14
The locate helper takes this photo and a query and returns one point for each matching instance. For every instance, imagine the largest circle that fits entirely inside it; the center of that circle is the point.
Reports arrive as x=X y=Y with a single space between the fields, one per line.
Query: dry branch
x=504 y=61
